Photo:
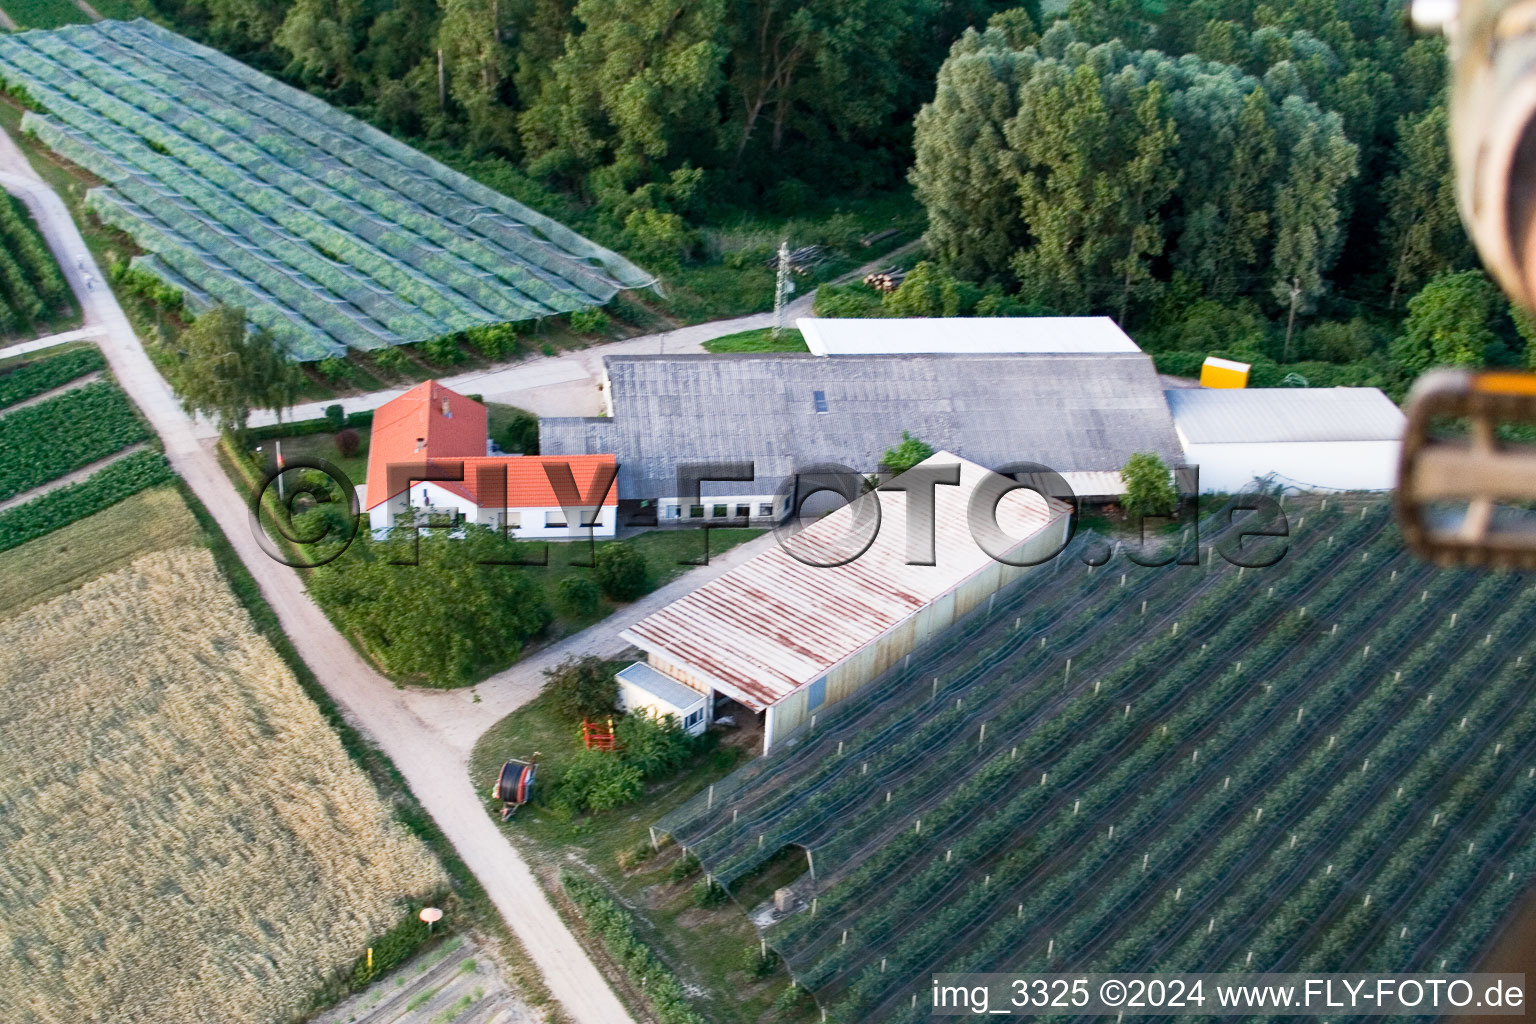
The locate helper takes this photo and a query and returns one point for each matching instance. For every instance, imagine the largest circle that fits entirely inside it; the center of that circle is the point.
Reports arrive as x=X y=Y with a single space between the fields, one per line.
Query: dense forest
x=1266 y=181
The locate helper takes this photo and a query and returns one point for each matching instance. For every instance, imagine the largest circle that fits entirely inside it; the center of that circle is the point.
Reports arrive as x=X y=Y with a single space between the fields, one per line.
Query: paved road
x=432 y=765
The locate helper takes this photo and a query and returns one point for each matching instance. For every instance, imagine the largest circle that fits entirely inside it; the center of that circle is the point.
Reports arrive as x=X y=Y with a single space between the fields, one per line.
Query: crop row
x=1118 y=799
x=47 y=440
x=30 y=283
x=1066 y=724
x=926 y=743
x=225 y=174
x=41 y=375
x=1270 y=807
x=62 y=506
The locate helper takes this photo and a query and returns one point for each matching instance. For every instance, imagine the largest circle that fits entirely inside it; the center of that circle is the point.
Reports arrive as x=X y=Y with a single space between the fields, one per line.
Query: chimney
x=421 y=443
x=447 y=412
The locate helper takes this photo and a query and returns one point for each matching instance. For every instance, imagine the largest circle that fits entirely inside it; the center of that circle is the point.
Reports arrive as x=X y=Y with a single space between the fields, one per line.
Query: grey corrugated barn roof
x=1230 y=416
x=1069 y=412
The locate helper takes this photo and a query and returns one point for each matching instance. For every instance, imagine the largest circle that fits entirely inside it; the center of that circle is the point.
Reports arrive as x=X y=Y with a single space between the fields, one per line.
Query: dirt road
x=434 y=767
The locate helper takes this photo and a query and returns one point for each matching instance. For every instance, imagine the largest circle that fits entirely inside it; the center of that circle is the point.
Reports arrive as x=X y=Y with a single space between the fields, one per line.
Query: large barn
x=779 y=639
x=1081 y=414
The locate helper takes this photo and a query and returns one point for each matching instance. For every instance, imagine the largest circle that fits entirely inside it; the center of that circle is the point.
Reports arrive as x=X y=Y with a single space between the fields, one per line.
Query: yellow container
x=1223 y=373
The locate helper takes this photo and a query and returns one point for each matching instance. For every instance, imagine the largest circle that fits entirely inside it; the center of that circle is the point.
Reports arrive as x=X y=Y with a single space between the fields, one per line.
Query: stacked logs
x=887 y=280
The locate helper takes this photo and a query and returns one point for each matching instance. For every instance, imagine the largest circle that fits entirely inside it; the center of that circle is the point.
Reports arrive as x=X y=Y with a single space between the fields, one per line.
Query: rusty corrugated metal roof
x=775 y=623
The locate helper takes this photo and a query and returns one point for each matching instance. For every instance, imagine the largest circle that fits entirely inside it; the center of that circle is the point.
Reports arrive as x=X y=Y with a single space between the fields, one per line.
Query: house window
x=765 y=509
x=693 y=719
x=696 y=512
x=670 y=512
x=514 y=519
x=721 y=511
x=743 y=511
x=554 y=519
x=820 y=398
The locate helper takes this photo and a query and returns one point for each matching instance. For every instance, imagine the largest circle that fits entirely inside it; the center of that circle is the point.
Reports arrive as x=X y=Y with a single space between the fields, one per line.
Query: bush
x=621 y=571
x=657 y=747
x=757 y=963
x=1148 y=489
x=590 y=321
x=577 y=596
x=596 y=780
x=1338 y=341
x=686 y=866
x=443 y=350
x=391 y=360
x=1179 y=364
x=334 y=368
x=520 y=433
x=850 y=301
x=658 y=241
x=709 y=893
x=582 y=688
x=347 y=441
x=335 y=416
x=495 y=341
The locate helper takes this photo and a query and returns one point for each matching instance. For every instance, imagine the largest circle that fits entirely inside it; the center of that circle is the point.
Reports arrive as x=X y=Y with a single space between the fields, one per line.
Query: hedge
x=300 y=428
x=615 y=928
x=34 y=378
x=108 y=486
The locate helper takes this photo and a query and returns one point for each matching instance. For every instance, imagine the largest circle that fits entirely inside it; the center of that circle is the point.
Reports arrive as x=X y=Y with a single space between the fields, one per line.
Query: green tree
x=636 y=87
x=225 y=371
x=581 y=689
x=1309 y=224
x=324 y=38
x=929 y=291
x=478 y=67
x=1096 y=157
x=621 y=571
x=1422 y=234
x=1148 y=486
x=965 y=174
x=437 y=614
x=1450 y=323
x=907 y=454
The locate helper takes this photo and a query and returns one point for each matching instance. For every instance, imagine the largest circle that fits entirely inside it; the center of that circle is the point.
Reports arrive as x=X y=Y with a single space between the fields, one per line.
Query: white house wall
x=1307 y=466
x=533 y=523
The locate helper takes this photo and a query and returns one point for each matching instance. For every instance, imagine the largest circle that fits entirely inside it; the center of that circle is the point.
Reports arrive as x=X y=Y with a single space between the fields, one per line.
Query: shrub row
x=615 y=928
x=43 y=442
x=31 y=379
x=61 y=507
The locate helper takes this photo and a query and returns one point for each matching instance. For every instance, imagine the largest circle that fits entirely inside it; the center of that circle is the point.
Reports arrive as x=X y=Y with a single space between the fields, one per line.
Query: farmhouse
x=431 y=431
x=1303 y=439
x=1075 y=412
x=783 y=639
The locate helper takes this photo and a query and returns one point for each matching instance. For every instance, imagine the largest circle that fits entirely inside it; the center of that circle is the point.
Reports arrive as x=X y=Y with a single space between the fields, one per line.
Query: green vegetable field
x=46 y=373
x=1329 y=764
x=44 y=441
x=32 y=291
x=247 y=192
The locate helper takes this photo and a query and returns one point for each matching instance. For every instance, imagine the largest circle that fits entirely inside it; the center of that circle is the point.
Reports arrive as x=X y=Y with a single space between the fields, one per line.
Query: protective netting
x=1144 y=769
x=343 y=236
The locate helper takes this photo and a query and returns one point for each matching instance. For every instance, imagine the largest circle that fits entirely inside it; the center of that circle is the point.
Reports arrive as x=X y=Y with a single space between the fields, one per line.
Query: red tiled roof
x=412 y=430
x=528 y=483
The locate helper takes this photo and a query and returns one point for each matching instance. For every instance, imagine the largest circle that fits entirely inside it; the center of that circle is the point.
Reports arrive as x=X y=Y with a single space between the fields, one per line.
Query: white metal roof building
x=991 y=335
x=1304 y=439
x=786 y=638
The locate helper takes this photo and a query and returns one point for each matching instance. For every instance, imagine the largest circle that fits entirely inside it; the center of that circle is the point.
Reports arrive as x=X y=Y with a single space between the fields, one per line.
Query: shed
x=1303 y=439
x=643 y=689
x=785 y=639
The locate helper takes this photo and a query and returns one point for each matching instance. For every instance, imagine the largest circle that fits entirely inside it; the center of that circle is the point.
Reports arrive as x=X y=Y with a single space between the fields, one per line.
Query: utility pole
x=781 y=289
x=1291 y=323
